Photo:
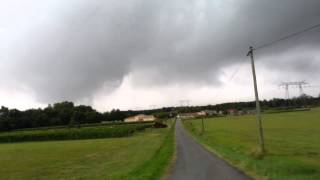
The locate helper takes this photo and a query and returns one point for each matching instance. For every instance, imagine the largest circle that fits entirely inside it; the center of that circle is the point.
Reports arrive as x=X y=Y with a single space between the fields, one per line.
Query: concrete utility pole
x=258 y=109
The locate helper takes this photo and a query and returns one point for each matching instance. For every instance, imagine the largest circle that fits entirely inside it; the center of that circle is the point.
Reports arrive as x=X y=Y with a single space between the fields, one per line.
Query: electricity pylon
x=287 y=85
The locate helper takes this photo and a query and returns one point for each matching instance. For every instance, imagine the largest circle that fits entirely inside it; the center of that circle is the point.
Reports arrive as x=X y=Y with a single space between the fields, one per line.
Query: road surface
x=196 y=163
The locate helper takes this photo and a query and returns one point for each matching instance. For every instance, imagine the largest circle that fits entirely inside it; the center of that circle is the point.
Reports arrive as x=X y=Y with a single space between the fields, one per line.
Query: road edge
x=173 y=160
x=211 y=150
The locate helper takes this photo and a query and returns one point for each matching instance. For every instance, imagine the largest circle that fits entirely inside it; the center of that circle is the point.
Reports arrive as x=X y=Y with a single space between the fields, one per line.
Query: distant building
x=251 y=111
x=232 y=111
x=240 y=113
x=202 y=113
x=192 y=115
x=187 y=115
x=140 y=118
x=211 y=112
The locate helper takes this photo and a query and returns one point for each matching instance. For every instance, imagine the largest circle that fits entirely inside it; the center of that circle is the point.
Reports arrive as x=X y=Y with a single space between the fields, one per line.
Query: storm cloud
x=69 y=50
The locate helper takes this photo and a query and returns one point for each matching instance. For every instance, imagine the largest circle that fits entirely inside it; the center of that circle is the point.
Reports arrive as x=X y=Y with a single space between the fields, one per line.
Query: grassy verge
x=292 y=142
x=144 y=155
x=158 y=165
x=73 y=133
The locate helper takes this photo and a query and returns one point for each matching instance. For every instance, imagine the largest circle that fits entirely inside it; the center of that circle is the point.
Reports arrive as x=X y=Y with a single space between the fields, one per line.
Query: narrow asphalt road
x=196 y=163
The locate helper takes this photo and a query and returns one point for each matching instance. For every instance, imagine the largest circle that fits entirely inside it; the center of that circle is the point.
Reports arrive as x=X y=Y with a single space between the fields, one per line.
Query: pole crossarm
x=296 y=83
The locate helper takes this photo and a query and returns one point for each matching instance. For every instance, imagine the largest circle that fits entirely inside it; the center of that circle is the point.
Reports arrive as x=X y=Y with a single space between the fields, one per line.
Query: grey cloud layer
x=82 y=45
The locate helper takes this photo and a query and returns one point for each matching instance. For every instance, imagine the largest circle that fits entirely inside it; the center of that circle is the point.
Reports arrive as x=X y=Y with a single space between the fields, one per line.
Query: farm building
x=140 y=118
x=202 y=113
x=187 y=115
x=211 y=112
x=192 y=115
x=232 y=111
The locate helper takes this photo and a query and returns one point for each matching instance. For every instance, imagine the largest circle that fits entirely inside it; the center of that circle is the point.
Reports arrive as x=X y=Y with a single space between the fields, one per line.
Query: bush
x=74 y=133
x=159 y=125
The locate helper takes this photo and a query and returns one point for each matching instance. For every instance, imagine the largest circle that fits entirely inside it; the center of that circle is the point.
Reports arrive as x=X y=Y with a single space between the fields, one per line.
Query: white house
x=140 y=118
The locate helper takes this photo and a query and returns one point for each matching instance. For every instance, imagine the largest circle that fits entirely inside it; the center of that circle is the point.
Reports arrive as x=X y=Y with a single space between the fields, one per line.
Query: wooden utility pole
x=258 y=109
x=202 y=126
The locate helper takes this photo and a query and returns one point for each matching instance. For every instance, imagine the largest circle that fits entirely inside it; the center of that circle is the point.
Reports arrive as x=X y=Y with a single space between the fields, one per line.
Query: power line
x=273 y=42
x=266 y=45
x=231 y=77
x=236 y=71
x=288 y=36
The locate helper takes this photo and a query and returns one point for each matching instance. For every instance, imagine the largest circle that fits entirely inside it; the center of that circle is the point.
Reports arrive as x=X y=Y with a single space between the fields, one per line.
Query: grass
x=156 y=166
x=73 y=133
x=144 y=155
x=292 y=142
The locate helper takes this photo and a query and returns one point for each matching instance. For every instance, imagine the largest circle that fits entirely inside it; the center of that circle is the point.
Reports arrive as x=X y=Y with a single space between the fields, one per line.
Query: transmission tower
x=184 y=102
x=153 y=106
x=287 y=85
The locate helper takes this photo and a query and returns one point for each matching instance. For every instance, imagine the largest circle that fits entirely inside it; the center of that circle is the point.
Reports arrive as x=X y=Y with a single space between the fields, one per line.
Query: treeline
x=63 y=114
x=67 y=114
x=297 y=102
x=58 y=114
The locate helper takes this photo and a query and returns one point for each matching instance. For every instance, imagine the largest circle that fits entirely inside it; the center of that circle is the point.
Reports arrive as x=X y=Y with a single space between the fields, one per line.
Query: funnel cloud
x=73 y=50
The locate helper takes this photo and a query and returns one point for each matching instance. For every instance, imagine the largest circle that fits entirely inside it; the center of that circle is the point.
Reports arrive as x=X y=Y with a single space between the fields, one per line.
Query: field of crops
x=145 y=155
x=73 y=133
x=292 y=143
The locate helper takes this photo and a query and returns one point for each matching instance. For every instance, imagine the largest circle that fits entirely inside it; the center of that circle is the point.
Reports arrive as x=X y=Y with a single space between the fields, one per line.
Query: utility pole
x=287 y=91
x=185 y=102
x=258 y=109
x=202 y=131
x=300 y=89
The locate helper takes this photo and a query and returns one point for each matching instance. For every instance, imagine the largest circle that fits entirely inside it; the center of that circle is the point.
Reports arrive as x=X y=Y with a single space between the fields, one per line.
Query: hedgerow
x=73 y=133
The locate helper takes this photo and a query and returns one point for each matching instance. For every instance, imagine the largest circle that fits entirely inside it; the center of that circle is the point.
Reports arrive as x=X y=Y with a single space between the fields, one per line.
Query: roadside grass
x=158 y=165
x=292 y=142
x=145 y=155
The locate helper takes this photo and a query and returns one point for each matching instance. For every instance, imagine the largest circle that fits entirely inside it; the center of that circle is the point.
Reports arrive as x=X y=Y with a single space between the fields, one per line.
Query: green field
x=145 y=155
x=292 y=142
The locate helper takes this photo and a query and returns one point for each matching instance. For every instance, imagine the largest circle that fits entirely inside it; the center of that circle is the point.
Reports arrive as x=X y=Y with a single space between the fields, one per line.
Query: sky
x=142 y=54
